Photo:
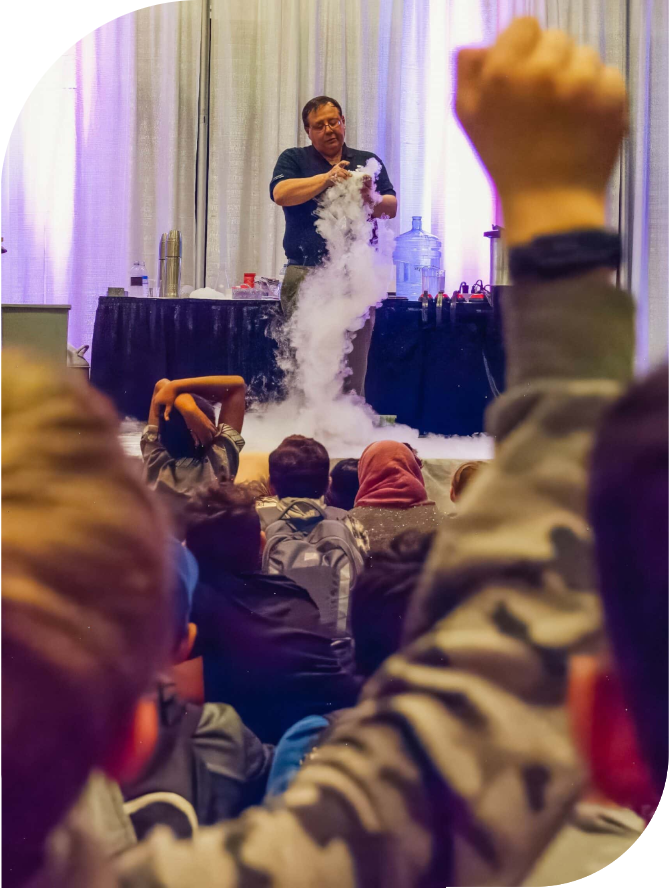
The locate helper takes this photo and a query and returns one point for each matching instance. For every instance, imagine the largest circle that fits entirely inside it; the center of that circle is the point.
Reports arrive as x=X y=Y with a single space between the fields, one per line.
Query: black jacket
x=206 y=767
x=265 y=653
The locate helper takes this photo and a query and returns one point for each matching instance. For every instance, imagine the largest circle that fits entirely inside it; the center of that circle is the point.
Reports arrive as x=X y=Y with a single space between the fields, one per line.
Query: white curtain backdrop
x=102 y=161
x=103 y=156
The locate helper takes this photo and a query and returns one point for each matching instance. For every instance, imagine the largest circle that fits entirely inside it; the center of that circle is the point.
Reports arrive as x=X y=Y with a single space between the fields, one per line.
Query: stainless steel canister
x=169 y=264
x=162 y=256
x=499 y=258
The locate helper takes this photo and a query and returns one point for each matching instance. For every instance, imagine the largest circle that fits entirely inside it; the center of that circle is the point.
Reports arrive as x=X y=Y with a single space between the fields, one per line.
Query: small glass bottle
x=139 y=280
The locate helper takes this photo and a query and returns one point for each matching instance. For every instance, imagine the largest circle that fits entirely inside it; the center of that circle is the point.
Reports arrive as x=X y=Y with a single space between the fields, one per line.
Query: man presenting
x=300 y=175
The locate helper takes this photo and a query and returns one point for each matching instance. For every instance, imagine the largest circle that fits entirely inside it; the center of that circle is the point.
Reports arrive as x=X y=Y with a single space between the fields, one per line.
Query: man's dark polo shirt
x=302 y=244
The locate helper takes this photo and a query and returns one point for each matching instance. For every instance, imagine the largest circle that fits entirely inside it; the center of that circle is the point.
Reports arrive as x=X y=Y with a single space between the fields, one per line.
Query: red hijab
x=390 y=477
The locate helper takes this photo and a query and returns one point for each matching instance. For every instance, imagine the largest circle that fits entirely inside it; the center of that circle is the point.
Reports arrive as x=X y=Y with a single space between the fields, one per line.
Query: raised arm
x=229 y=391
x=156 y=402
x=457 y=767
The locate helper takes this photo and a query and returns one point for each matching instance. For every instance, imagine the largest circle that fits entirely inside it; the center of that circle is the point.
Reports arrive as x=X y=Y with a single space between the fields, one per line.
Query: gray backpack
x=312 y=545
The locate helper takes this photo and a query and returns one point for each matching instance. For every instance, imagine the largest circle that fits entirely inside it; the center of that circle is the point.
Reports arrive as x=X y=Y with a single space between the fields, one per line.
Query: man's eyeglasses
x=320 y=127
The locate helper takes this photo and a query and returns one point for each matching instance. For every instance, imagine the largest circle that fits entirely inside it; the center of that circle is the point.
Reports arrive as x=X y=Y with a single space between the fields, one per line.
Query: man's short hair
x=85 y=598
x=381 y=597
x=223 y=529
x=175 y=435
x=628 y=504
x=344 y=484
x=299 y=467
x=315 y=104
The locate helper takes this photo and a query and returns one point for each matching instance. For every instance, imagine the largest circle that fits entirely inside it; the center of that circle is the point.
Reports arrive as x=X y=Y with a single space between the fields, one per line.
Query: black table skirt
x=432 y=376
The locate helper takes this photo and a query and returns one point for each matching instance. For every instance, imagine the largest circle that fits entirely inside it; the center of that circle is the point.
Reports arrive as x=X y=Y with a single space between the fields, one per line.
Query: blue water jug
x=414 y=250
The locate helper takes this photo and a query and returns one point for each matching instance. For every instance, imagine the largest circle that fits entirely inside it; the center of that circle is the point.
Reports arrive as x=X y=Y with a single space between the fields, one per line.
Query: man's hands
x=337 y=173
x=547 y=119
x=366 y=191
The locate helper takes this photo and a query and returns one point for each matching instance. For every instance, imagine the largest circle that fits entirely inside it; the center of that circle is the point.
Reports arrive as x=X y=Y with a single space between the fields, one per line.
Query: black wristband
x=560 y=255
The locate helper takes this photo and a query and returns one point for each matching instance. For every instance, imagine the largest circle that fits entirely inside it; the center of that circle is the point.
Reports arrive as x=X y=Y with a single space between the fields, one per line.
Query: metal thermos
x=499 y=258
x=169 y=265
x=162 y=256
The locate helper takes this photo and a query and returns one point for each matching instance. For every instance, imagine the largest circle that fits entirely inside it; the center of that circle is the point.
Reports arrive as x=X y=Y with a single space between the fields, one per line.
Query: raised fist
x=544 y=115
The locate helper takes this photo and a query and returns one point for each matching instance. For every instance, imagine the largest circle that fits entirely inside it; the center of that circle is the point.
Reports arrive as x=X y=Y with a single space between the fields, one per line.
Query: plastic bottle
x=139 y=280
x=282 y=275
x=415 y=250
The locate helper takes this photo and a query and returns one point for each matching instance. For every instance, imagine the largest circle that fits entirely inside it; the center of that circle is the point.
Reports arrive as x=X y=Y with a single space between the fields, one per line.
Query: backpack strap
x=294 y=523
x=310 y=505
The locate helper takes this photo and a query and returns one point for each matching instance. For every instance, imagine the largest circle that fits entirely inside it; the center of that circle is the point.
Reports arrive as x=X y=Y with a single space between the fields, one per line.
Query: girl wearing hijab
x=392 y=495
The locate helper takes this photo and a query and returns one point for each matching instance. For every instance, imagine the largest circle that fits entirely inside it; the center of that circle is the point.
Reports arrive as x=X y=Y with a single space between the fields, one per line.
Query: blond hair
x=84 y=595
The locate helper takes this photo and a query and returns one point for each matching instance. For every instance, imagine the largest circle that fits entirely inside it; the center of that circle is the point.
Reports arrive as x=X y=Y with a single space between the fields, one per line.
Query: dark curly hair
x=344 y=485
x=223 y=527
x=299 y=467
x=381 y=597
x=175 y=435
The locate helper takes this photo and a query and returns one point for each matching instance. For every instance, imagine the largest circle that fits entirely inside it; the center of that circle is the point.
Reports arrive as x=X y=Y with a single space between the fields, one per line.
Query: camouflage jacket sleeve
x=456 y=767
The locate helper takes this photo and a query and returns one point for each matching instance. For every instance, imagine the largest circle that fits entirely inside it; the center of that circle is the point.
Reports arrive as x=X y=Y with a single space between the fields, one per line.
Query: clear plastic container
x=139 y=280
x=429 y=283
x=415 y=250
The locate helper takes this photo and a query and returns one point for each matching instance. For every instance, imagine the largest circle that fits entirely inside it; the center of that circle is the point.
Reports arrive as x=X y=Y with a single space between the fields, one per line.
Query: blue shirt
x=302 y=244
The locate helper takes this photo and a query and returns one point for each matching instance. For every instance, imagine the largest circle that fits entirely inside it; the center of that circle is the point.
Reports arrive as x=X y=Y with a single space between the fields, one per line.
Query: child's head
x=175 y=436
x=299 y=467
x=462 y=477
x=224 y=529
x=628 y=505
x=381 y=597
x=85 y=601
x=344 y=484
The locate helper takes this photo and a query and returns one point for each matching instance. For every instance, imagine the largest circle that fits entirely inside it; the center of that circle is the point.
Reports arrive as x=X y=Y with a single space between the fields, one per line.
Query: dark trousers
x=356 y=360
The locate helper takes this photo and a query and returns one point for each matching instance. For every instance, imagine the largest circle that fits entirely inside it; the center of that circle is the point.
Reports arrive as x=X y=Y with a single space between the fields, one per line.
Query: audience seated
x=206 y=765
x=392 y=495
x=344 y=484
x=379 y=603
x=462 y=477
x=318 y=546
x=263 y=646
x=182 y=447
